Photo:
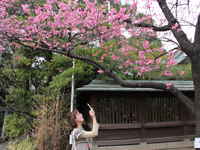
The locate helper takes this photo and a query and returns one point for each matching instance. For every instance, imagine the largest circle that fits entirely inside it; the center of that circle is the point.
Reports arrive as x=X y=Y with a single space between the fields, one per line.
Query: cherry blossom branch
x=121 y=82
x=155 y=28
x=146 y=25
x=169 y=40
x=165 y=53
x=162 y=86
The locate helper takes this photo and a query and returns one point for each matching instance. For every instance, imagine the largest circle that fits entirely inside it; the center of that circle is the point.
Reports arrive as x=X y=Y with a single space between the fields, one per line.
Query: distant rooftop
x=181 y=58
x=100 y=85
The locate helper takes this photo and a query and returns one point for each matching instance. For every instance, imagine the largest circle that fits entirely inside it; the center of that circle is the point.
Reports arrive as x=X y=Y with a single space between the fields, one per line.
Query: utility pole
x=72 y=98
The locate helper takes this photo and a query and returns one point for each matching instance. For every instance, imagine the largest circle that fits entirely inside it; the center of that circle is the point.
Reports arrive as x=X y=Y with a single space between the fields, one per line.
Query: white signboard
x=197 y=143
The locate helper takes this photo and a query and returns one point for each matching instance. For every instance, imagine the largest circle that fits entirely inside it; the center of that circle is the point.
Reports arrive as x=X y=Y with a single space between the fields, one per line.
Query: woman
x=78 y=134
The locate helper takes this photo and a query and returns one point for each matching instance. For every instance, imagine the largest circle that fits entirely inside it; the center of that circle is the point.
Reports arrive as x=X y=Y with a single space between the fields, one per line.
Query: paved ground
x=186 y=145
x=3 y=145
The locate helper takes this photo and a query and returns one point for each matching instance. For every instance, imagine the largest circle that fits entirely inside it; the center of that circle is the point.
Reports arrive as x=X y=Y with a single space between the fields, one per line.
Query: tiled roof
x=100 y=85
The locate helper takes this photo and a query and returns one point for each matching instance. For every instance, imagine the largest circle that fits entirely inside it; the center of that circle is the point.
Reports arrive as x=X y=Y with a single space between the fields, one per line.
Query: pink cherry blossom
x=148 y=50
x=179 y=29
x=2 y=49
x=157 y=67
x=60 y=70
x=114 y=57
x=135 y=68
x=116 y=1
x=145 y=44
x=128 y=63
x=17 y=57
x=168 y=85
x=160 y=49
x=181 y=72
x=152 y=34
x=168 y=66
x=140 y=73
x=173 y=61
x=175 y=26
x=120 y=66
x=158 y=60
x=25 y=8
x=44 y=25
x=100 y=71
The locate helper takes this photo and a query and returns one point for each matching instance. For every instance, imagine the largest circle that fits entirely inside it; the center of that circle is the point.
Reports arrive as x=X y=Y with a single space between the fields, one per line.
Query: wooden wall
x=131 y=118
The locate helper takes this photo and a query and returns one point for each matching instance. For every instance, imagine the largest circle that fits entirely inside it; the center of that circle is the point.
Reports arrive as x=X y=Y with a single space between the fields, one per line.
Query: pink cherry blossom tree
x=64 y=26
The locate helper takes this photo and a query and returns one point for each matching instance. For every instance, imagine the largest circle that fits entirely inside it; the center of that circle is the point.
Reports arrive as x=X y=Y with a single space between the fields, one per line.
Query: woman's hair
x=71 y=119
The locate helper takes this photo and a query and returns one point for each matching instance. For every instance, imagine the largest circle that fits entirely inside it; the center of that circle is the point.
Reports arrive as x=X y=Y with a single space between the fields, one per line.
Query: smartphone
x=89 y=106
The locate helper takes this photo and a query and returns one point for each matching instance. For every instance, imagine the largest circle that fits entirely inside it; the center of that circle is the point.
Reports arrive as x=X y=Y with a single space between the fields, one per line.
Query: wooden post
x=141 y=115
x=93 y=103
x=3 y=129
x=183 y=116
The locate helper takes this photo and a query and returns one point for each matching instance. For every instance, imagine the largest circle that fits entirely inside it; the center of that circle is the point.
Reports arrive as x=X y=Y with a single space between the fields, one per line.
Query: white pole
x=109 y=8
x=72 y=89
x=3 y=129
x=72 y=98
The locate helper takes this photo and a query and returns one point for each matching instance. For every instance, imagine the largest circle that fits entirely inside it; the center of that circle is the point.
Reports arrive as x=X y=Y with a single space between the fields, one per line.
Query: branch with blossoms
x=170 y=88
x=73 y=26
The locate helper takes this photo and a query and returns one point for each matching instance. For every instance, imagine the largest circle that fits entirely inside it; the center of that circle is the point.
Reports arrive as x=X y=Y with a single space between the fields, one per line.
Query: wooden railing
x=117 y=110
x=125 y=110
x=162 y=110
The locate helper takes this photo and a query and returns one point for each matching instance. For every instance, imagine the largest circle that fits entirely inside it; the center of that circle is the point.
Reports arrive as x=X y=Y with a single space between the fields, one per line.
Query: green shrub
x=15 y=126
x=23 y=144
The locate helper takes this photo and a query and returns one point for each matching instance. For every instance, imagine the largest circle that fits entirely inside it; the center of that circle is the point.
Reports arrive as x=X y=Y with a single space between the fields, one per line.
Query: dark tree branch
x=18 y=111
x=190 y=24
x=12 y=80
x=154 y=85
x=11 y=107
x=123 y=83
x=181 y=37
x=10 y=95
x=146 y=25
x=169 y=40
x=113 y=67
x=20 y=86
x=165 y=53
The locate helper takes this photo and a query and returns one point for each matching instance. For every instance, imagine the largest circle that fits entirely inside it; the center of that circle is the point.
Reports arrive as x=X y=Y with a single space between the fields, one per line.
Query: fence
x=125 y=110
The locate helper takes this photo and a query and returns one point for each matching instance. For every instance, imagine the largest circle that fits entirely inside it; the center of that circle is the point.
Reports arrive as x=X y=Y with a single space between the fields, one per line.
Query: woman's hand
x=90 y=146
x=92 y=113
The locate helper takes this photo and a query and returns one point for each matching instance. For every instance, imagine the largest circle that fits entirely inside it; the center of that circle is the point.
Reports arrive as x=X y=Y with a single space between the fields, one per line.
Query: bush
x=15 y=126
x=51 y=123
x=23 y=144
x=51 y=128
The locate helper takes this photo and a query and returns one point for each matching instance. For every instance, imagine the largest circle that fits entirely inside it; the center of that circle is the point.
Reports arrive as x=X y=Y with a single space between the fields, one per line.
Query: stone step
x=183 y=145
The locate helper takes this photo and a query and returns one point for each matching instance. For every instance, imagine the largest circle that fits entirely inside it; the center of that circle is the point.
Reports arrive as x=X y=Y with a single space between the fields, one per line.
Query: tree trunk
x=196 y=79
